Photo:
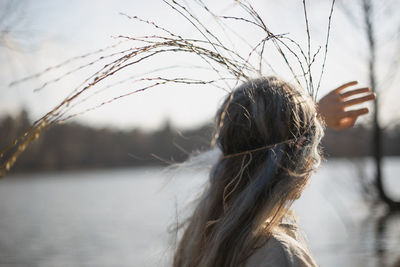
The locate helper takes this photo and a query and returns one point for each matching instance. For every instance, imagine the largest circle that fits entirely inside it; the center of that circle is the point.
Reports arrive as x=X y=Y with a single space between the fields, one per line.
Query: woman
x=269 y=133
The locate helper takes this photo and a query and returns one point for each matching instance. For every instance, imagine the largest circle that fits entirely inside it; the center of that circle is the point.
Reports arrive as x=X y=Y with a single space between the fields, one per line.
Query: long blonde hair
x=269 y=136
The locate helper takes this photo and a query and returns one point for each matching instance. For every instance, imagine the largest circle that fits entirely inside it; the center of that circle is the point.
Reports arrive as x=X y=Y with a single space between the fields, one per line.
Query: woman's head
x=268 y=114
x=269 y=135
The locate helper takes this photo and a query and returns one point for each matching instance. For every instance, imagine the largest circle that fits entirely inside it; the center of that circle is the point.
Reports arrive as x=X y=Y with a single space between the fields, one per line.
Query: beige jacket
x=283 y=249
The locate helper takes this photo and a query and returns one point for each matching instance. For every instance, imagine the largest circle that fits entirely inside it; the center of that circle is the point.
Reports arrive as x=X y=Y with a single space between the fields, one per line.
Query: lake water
x=121 y=217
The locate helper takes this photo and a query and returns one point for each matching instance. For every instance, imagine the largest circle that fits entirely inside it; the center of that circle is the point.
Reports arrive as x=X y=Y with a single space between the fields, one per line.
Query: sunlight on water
x=121 y=217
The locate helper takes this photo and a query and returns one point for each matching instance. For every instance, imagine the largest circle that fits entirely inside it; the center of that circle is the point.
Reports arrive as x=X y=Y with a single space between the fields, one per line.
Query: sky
x=47 y=32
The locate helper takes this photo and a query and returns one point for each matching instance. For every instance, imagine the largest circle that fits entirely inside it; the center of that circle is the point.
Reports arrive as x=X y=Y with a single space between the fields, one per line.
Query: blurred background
x=94 y=190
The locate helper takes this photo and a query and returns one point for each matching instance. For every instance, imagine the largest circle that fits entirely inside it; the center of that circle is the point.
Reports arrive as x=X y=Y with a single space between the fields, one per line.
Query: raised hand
x=333 y=107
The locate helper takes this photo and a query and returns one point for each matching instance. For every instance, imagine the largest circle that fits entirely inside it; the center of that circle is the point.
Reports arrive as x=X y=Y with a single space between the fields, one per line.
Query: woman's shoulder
x=282 y=249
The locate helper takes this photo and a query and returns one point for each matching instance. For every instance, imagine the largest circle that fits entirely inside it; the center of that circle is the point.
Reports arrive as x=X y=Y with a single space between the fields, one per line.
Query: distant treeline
x=74 y=146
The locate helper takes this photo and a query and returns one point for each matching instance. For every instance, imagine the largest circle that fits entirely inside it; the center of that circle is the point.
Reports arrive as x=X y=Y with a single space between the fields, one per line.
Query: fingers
x=359 y=100
x=354 y=113
x=340 y=88
x=355 y=92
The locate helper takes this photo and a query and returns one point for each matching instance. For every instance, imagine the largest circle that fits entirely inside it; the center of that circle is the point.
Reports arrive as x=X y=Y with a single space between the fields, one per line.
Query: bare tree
x=377 y=149
x=367 y=21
